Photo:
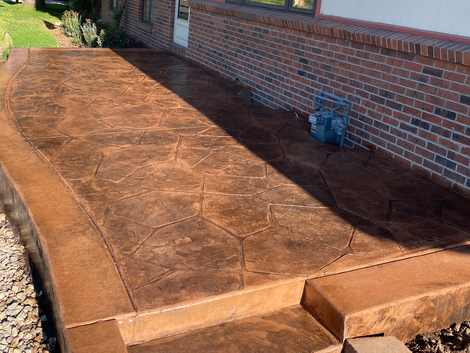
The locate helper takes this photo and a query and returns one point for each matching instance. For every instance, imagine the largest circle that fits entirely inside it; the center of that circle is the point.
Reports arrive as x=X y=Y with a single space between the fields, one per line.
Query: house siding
x=442 y=16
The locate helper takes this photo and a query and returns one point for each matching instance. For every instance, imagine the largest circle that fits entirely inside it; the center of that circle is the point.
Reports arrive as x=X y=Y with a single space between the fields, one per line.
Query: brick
x=408 y=83
x=405 y=100
x=419 y=77
x=381 y=125
x=413 y=66
x=416 y=141
x=433 y=166
x=461 y=159
x=445 y=113
x=412 y=111
x=425 y=153
x=449 y=95
x=395 y=149
x=454 y=176
x=465 y=99
x=463 y=170
x=433 y=71
x=424 y=106
x=401 y=116
x=460 y=138
x=451 y=125
x=394 y=105
x=446 y=65
x=428 y=136
x=465 y=151
x=388 y=137
x=453 y=76
x=420 y=123
x=439 y=83
x=413 y=157
x=440 y=131
x=424 y=60
x=436 y=149
x=426 y=88
x=415 y=94
x=397 y=89
x=448 y=144
x=457 y=107
x=435 y=100
x=377 y=99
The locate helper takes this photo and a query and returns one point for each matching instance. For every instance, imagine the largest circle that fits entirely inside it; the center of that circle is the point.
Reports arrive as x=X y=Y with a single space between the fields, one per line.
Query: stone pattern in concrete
x=288 y=330
x=195 y=190
x=78 y=272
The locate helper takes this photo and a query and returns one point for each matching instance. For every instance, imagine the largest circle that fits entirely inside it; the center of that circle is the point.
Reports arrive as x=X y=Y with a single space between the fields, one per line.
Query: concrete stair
x=400 y=299
x=288 y=330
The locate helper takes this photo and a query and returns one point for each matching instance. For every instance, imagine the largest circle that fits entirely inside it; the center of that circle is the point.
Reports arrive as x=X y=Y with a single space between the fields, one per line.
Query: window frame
x=287 y=7
x=151 y=11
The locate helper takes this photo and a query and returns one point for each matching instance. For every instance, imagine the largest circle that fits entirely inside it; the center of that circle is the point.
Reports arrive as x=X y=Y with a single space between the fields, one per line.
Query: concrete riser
x=400 y=299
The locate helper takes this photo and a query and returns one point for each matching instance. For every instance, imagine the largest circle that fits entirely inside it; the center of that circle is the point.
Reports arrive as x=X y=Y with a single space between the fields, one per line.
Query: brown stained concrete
x=100 y=337
x=191 y=197
x=291 y=330
x=82 y=281
x=400 y=299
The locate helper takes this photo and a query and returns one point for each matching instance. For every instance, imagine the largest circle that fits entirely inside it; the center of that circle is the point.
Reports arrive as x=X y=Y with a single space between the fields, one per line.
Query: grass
x=27 y=26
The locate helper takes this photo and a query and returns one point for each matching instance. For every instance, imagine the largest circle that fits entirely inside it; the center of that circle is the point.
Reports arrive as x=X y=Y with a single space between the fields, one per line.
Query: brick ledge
x=408 y=43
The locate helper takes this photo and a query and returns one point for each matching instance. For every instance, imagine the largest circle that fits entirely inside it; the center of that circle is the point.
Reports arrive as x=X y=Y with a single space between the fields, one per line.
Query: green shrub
x=113 y=38
x=85 y=7
x=71 y=25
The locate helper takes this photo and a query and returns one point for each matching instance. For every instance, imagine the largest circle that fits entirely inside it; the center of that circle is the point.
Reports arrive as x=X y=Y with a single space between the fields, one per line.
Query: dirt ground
x=62 y=39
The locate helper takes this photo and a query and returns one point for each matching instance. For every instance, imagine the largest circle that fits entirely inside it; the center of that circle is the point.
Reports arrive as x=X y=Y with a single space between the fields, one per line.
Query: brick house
x=404 y=64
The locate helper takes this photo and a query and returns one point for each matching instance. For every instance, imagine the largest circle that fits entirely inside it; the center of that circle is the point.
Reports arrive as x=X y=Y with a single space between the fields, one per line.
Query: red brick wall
x=414 y=108
x=160 y=35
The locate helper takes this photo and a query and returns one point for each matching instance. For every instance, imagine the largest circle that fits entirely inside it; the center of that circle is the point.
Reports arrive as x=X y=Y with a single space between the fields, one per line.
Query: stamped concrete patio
x=155 y=200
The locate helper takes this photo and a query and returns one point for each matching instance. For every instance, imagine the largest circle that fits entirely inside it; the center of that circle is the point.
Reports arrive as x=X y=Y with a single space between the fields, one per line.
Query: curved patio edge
x=58 y=234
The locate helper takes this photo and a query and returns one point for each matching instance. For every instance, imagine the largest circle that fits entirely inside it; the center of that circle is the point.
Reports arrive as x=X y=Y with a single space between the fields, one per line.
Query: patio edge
x=57 y=232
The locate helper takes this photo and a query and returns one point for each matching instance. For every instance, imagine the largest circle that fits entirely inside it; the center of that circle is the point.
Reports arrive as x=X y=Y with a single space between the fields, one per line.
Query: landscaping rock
x=455 y=339
x=21 y=329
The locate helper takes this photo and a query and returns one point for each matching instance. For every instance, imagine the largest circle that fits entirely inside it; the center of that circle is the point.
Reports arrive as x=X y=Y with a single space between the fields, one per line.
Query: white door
x=181 y=22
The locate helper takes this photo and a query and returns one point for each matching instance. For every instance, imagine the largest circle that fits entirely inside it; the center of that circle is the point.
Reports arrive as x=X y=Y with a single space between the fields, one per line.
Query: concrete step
x=401 y=299
x=208 y=311
x=287 y=330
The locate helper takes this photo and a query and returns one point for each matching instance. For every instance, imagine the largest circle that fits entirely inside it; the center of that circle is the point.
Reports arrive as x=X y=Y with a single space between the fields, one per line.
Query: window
x=147 y=11
x=183 y=12
x=114 y=4
x=305 y=6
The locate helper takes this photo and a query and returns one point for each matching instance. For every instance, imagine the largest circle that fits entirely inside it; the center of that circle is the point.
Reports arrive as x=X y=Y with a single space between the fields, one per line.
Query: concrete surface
x=150 y=193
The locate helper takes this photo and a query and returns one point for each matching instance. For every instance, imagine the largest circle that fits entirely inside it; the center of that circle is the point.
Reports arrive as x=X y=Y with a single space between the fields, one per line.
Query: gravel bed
x=24 y=325
x=455 y=339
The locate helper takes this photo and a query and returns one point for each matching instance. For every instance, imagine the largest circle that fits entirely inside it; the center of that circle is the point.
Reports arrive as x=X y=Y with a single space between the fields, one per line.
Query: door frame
x=181 y=27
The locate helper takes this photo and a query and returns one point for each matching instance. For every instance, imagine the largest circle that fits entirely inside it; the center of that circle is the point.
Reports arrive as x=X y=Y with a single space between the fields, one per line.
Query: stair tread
x=288 y=330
